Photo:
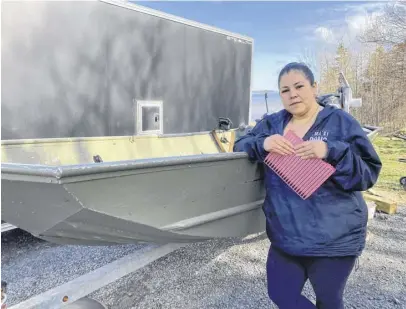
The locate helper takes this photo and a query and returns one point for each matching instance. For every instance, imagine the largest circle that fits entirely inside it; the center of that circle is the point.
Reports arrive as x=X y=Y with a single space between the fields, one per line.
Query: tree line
x=376 y=75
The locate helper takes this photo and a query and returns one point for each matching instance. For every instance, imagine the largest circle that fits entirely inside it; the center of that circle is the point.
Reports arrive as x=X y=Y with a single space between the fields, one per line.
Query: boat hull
x=180 y=199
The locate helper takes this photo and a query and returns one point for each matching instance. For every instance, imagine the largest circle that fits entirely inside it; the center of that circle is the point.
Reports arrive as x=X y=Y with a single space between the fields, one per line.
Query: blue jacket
x=332 y=222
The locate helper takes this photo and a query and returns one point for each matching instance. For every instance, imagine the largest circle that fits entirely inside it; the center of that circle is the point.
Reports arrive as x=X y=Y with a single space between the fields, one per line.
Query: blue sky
x=282 y=31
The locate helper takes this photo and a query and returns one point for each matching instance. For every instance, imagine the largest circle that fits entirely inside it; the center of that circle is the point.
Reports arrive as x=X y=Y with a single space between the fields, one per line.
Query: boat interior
x=73 y=151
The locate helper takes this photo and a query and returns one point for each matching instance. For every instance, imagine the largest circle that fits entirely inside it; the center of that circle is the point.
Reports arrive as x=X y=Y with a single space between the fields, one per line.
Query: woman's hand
x=311 y=149
x=278 y=144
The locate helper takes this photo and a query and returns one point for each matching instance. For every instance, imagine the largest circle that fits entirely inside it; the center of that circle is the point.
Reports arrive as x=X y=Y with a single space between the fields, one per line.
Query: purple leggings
x=287 y=275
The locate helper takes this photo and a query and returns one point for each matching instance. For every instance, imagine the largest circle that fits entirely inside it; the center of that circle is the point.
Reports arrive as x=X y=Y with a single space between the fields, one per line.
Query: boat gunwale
x=65 y=171
x=86 y=169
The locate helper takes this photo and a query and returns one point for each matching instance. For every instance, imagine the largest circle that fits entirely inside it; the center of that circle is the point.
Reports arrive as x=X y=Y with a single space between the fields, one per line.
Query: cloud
x=357 y=24
x=342 y=23
x=325 y=34
x=355 y=8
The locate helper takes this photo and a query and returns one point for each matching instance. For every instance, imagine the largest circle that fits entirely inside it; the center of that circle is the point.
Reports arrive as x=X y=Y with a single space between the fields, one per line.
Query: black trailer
x=110 y=68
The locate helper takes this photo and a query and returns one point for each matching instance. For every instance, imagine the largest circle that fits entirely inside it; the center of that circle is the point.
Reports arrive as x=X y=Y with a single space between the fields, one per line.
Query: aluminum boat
x=102 y=191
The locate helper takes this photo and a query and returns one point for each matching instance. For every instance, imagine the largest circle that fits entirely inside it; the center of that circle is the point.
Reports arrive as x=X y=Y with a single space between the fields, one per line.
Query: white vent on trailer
x=149 y=117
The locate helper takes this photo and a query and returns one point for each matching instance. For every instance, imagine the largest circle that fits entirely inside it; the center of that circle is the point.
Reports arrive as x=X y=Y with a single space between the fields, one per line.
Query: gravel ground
x=31 y=266
x=231 y=274
x=215 y=274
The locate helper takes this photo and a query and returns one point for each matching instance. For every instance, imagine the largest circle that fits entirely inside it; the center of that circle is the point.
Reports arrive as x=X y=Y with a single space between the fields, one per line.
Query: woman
x=321 y=237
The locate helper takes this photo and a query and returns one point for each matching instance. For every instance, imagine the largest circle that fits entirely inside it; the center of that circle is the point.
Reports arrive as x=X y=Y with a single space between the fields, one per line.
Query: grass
x=390 y=150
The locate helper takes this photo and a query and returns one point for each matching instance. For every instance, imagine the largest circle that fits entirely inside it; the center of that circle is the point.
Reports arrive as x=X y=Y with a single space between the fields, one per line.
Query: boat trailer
x=74 y=294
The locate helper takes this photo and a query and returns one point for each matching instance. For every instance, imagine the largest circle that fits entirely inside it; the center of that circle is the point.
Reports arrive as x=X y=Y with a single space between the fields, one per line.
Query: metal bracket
x=345 y=92
x=225 y=124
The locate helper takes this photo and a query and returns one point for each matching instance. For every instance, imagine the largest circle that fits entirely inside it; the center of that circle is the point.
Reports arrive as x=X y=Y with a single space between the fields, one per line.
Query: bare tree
x=311 y=58
x=378 y=77
x=388 y=28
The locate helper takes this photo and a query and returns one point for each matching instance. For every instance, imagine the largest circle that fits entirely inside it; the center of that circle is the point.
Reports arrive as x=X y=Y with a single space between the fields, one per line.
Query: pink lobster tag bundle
x=304 y=176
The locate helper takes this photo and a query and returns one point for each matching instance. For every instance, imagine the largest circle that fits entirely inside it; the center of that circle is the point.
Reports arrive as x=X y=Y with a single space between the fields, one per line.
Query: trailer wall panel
x=77 y=69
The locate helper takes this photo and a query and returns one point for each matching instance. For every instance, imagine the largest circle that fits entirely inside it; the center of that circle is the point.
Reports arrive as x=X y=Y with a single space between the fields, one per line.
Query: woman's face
x=298 y=95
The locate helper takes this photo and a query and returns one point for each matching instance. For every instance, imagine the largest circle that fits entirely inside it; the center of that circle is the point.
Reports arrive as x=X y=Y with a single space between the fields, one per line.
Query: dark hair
x=297 y=66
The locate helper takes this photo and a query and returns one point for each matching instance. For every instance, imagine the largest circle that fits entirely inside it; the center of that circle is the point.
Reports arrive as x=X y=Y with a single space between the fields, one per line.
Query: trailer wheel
x=403 y=182
x=85 y=303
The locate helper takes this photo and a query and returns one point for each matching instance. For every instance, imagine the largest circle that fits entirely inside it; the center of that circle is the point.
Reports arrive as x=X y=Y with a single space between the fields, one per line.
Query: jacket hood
x=329 y=107
x=329 y=99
